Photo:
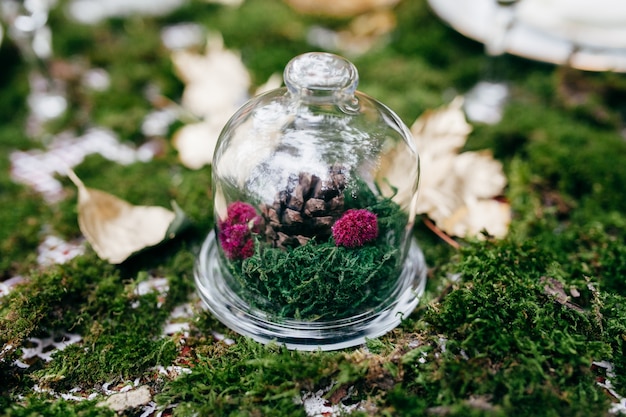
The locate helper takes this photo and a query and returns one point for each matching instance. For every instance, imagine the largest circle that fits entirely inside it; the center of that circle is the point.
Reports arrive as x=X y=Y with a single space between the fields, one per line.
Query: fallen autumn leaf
x=117 y=229
x=457 y=190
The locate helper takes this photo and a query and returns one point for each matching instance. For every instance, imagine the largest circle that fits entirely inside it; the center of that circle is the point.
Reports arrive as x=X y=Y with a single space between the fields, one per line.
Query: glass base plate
x=236 y=314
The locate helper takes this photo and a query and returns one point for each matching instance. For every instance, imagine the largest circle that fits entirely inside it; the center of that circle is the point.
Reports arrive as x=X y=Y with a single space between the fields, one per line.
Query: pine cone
x=307 y=207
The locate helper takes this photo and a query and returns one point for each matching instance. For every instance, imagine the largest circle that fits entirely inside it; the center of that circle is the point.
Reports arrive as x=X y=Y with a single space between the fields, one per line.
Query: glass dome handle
x=319 y=77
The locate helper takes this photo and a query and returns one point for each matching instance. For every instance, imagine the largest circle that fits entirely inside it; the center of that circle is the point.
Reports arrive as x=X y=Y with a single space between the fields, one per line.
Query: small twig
x=440 y=233
x=556 y=289
x=596 y=302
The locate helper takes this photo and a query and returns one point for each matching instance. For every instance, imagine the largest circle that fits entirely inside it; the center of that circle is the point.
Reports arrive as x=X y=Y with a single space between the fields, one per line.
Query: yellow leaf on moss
x=196 y=142
x=117 y=229
x=339 y=8
x=357 y=36
x=491 y=216
x=457 y=190
x=214 y=81
x=217 y=83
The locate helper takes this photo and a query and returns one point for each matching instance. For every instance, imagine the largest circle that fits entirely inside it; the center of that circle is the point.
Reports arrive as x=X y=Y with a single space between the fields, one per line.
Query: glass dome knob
x=319 y=74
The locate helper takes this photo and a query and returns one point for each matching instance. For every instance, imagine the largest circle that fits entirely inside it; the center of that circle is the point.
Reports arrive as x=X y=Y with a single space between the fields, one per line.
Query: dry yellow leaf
x=365 y=31
x=339 y=8
x=216 y=84
x=472 y=219
x=456 y=190
x=117 y=229
x=361 y=34
x=196 y=142
x=216 y=80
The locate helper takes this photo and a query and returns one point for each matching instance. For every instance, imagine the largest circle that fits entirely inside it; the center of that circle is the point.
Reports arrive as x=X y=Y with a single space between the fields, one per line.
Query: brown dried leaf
x=456 y=190
x=480 y=403
x=491 y=216
x=117 y=229
x=442 y=131
x=196 y=142
x=216 y=84
x=128 y=400
x=339 y=8
x=213 y=81
x=556 y=289
x=359 y=36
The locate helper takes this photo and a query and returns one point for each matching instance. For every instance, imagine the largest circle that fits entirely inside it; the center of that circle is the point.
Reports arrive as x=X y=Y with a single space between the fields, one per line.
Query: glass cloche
x=312 y=246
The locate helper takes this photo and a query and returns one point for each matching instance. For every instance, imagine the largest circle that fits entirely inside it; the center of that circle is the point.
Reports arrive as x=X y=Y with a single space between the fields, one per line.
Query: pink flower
x=240 y=213
x=235 y=232
x=355 y=228
x=236 y=240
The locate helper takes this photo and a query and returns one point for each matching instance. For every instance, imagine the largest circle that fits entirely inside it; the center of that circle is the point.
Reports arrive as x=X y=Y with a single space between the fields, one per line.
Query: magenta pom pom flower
x=235 y=232
x=355 y=228
x=239 y=212
x=236 y=241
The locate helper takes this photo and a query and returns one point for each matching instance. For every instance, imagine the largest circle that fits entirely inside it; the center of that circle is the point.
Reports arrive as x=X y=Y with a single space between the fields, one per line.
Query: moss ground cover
x=324 y=279
x=520 y=327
